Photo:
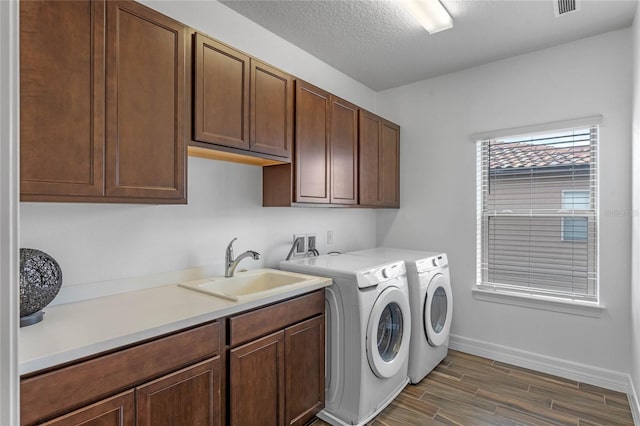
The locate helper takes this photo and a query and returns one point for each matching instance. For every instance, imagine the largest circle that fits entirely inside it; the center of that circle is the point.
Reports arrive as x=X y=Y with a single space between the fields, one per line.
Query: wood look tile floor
x=468 y=390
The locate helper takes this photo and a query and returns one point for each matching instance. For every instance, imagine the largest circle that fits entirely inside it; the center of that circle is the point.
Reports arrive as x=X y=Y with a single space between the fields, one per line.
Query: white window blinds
x=537 y=214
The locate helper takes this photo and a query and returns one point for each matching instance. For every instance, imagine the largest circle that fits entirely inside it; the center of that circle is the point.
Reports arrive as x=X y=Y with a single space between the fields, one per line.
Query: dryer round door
x=437 y=310
x=388 y=332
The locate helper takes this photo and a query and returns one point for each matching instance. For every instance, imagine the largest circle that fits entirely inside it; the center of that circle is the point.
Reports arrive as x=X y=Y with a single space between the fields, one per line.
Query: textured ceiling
x=380 y=44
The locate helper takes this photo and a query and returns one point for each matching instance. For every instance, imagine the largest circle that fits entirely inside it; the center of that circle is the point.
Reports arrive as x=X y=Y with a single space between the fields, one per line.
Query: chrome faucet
x=230 y=263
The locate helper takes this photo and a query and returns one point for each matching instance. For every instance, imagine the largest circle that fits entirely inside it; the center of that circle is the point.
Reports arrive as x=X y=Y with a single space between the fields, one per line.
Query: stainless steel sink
x=249 y=284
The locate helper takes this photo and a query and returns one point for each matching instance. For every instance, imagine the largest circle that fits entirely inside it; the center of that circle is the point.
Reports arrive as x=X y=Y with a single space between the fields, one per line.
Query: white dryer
x=431 y=305
x=368 y=334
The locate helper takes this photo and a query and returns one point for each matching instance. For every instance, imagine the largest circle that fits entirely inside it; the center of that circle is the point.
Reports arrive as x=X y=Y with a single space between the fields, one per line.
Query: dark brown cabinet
x=145 y=71
x=272 y=368
x=278 y=379
x=343 y=131
x=190 y=396
x=61 y=99
x=172 y=380
x=311 y=164
x=256 y=376
x=271 y=110
x=304 y=370
x=221 y=94
x=187 y=397
x=102 y=103
x=325 y=166
x=118 y=410
x=240 y=102
x=379 y=167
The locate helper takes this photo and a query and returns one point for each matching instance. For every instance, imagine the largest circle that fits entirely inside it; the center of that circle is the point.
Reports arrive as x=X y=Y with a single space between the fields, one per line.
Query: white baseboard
x=633 y=402
x=584 y=373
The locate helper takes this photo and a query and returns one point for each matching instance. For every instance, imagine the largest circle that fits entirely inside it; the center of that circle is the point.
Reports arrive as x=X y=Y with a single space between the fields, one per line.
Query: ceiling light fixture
x=431 y=14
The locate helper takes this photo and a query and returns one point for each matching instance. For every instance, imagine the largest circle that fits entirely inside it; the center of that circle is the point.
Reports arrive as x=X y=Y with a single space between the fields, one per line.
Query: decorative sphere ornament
x=40 y=282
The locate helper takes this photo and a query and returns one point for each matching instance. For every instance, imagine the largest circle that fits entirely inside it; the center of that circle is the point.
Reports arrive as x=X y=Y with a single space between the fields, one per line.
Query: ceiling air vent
x=565 y=7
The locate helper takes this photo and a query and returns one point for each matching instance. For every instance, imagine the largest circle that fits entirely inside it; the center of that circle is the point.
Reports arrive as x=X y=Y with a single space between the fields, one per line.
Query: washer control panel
x=429 y=263
x=381 y=274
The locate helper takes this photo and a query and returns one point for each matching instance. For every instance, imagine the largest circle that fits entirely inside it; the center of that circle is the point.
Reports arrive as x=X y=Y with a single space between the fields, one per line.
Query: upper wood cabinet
x=61 y=99
x=325 y=165
x=271 y=110
x=221 y=94
x=102 y=103
x=145 y=63
x=379 y=169
x=240 y=102
x=343 y=134
x=312 y=167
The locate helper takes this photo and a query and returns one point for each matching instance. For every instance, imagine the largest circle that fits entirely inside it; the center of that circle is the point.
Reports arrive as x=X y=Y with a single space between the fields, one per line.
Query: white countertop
x=77 y=330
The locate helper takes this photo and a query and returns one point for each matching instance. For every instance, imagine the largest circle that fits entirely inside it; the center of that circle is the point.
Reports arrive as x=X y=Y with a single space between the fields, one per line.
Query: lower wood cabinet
x=256 y=381
x=274 y=375
x=115 y=411
x=172 y=380
x=279 y=379
x=190 y=396
x=187 y=397
x=304 y=357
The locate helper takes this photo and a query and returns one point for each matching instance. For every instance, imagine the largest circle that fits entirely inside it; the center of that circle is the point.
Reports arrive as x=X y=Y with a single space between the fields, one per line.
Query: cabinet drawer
x=59 y=391
x=260 y=322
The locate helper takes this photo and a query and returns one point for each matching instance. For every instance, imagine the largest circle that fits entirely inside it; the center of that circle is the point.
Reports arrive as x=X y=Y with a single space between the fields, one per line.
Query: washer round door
x=388 y=332
x=437 y=310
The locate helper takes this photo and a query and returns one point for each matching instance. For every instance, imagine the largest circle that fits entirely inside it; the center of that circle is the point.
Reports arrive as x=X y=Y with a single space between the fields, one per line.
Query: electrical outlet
x=311 y=241
x=301 y=247
x=329 y=237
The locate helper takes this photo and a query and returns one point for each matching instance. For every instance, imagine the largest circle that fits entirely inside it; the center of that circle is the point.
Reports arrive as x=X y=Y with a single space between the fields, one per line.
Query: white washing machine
x=368 y=334
x=431 y=302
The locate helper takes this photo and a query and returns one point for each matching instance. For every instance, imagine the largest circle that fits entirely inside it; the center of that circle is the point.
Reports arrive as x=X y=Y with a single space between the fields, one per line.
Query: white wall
x=438 y=192
x=635 y=251
x=101 y=242
x=9 y=128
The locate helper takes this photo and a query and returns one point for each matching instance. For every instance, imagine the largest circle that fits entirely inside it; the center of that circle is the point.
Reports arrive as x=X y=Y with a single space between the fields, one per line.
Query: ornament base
x=34 y=318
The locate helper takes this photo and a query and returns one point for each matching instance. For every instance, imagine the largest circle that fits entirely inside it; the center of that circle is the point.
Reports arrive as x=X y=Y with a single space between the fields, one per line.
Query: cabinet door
x=369 y=159
x=312 y=144
x=271 y=110
x=390 y=164
x=379 y=161
x=221 y=94
x=61 y=98
x=115 y=411
x=191 y=396
x=145 y=71
x=344 y=152
x=256 y=381
x=304 y=383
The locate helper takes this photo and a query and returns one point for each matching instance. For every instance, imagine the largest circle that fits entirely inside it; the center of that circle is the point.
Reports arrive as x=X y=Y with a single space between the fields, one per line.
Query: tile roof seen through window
x=509 y=155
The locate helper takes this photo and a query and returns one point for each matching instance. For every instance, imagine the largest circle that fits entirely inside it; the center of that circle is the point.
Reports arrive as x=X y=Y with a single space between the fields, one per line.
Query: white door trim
x=9 y=210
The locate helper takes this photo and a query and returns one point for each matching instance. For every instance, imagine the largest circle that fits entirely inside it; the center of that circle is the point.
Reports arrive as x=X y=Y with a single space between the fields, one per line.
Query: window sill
x=540 y=302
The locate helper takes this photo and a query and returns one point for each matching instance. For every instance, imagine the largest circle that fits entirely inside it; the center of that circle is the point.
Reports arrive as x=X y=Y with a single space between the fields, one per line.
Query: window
x=575 y=228
x=537 y=214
